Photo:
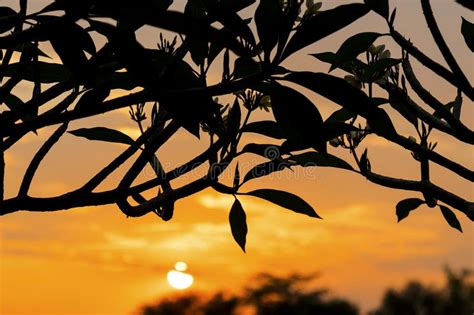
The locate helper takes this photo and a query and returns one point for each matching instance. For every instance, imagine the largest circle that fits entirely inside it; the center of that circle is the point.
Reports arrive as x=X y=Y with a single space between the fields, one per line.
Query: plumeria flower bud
x=265 y=100
x=314 y=9
x=385 y=55
x=354 y=81
x=335 y=142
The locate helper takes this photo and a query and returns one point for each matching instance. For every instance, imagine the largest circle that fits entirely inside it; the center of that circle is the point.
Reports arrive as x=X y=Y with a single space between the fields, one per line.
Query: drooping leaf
x=404 y=207
x=8 y=19
x=103 y=134
x=267 y=128
x=297 y=117
x=269 y=20
x=238 y=224
x=196 y=40
x=317 y=159
x=352 y=47
x=378 y=6
x=400 y=103
x=70 y=41
x=467 y=30
x=286 y=200
x=236 y=177
x=323 y=24
x=450 y=217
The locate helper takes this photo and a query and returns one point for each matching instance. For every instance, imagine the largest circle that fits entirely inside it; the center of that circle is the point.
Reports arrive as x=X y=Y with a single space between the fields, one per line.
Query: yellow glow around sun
x=178 y=279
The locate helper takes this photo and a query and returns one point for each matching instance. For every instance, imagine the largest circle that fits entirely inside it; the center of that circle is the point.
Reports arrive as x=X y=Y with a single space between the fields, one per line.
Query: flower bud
x=354 y=81
x=385 y=55
x=335 y=142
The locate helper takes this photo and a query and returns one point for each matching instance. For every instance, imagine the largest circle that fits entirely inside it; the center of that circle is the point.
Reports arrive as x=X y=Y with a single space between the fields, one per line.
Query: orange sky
x=96 y=261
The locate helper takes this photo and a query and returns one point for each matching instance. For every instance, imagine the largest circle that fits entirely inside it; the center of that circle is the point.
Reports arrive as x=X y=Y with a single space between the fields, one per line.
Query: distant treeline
x=294 y=294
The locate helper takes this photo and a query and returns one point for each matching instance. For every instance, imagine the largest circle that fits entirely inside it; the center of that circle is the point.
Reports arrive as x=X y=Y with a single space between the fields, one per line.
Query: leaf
x=236 y=177
x=91 y=99
x=466 y=3
x=380 y=122
x=103 y=134
x=330 y=57
x=347 y=96
x=269 y=151
x=352 y=47
x=334 y=89
x=340 y=115
x=333 y=130
x=47 y=72
x=269 y=20
x=400 y=103
x=323 y=24
x=297 y=117
x=267 y=168
x=286 y=200
x=267 y=128
x=245 y=66
x=317 y=159
x=404 y=207
x=238 y=224
x=450 y=217
x=378 y=6
x=8 y=19
x=467 y=30
x=69 y=40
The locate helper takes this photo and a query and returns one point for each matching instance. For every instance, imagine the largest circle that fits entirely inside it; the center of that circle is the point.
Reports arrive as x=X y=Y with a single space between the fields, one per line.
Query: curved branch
x=443 y=47
x=38 y=158
x=432 y=65
x=464 y=133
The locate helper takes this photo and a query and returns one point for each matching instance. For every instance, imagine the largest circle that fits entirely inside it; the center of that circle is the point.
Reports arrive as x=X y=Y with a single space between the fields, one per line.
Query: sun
x=178 y=279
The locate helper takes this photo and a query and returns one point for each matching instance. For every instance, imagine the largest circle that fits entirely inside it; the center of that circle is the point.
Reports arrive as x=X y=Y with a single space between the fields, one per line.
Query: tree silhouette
x=417 y=299
x=173 y=91
x=270 y=295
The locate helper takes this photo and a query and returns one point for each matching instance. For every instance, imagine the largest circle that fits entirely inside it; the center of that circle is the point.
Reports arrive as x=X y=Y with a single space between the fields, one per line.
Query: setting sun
x=178 y=279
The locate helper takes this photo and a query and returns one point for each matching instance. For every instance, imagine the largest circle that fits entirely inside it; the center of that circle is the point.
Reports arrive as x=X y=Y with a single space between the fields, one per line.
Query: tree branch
x=443 y=47
x=39 y=156
x=462 y=132
x=466 y=207
x=432 y=65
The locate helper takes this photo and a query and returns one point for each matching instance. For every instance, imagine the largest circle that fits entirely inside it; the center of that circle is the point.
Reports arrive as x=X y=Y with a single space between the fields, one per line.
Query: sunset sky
x=96 y=261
